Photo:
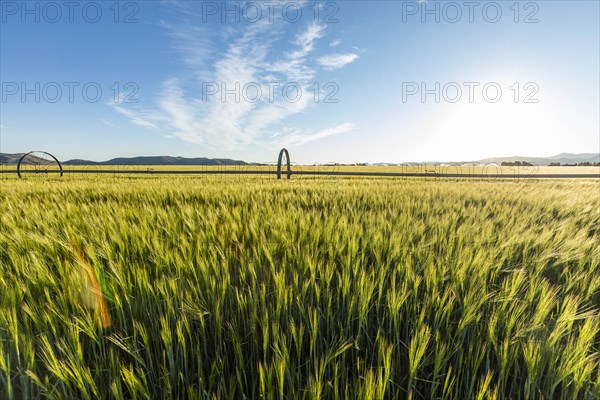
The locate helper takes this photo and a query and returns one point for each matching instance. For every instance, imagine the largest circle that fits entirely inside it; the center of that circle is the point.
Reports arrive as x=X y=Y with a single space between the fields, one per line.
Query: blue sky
x=346 y=81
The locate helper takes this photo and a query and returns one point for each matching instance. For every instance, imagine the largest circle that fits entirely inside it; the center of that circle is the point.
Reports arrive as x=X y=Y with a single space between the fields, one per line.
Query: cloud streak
x=298 y=139
x=139 y=117
x=337 y=61
x=248 y=57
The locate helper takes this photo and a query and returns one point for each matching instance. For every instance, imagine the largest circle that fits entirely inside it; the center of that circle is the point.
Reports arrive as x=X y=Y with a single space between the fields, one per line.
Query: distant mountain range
x=563 y=158
x=152 y=160
x=159 y=160
x=6 y=158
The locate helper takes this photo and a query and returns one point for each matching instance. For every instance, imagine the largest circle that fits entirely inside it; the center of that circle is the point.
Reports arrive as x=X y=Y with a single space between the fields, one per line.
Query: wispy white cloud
x=187 y=111
x=296 y=139
x=335 y=43
x=337 y=61
x=137 y=117
x=108 y=123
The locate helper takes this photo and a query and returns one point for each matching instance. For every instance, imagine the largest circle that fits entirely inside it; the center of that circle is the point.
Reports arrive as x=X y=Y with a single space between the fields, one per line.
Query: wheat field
x=248 y=287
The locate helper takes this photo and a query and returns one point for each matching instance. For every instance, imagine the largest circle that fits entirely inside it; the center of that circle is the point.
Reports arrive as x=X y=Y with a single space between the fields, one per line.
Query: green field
x=215 y=287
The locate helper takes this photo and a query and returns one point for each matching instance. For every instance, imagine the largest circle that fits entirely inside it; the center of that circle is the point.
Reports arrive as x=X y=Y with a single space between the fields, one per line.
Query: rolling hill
x=6 y=158
x=563 y=158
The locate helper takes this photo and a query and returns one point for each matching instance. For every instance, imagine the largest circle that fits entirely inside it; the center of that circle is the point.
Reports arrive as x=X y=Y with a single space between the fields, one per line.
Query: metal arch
x=287 y=159
x=43 y=152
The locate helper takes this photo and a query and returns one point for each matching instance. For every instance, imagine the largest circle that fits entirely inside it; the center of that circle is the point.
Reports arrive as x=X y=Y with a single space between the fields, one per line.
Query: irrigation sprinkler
x=38 y=162
x=287 y=160
x=41 y=162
